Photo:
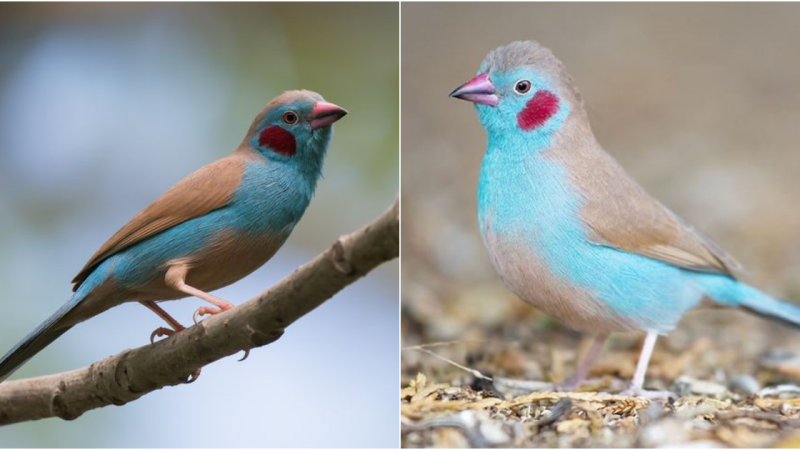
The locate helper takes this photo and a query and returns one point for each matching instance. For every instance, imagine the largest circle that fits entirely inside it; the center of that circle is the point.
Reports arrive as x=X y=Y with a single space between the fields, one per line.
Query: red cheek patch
x=538 y=109
x=278 y=139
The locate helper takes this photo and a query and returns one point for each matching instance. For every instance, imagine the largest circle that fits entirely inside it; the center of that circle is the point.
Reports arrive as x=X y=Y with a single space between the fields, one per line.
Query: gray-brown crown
x=534 y=55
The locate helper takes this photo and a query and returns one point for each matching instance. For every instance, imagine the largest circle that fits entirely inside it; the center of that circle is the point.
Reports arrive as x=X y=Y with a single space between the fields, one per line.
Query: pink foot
x=161 y=331
x=208 y=310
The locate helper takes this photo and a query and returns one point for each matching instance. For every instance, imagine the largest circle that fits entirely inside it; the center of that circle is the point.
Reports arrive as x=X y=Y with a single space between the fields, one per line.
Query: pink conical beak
x=478 y=90
x=325 y=114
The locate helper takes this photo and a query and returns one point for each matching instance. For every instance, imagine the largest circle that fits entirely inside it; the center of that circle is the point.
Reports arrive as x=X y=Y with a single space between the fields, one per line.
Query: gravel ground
x=733 y=389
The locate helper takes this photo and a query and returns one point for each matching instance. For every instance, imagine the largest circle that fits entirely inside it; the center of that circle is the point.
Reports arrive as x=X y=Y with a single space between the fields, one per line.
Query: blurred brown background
x=701 y=104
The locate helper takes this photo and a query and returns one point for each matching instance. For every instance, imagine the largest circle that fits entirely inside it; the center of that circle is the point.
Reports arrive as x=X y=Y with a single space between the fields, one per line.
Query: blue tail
x=730 y=292
x=36 y=341
x=52 y=328
x=771 y=308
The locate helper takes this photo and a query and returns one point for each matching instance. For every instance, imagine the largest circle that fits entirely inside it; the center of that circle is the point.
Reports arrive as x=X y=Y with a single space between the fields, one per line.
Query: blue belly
x=531 y=203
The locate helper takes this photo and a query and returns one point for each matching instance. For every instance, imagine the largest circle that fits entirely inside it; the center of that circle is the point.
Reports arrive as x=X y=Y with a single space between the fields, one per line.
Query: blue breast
x=271 y=198
x=526 y=199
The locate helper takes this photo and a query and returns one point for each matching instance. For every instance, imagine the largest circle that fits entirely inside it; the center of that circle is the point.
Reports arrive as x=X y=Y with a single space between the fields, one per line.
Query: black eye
x=290 y=118
x=522 y=86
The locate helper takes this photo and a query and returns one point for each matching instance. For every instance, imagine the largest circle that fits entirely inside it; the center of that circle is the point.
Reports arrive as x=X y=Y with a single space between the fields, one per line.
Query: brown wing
x=209 y=188
x=621 y=214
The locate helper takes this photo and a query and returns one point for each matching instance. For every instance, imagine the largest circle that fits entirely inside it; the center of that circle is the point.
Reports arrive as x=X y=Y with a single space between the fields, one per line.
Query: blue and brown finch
x=570 y=232
x=211 y=229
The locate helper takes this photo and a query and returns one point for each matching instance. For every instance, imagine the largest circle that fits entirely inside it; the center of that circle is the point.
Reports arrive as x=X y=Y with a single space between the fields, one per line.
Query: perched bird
x=570 y=232
x=213 y=228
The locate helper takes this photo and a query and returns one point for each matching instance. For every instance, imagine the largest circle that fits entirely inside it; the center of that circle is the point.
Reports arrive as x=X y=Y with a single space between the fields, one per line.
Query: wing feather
x=622 y=215
x=207 y=189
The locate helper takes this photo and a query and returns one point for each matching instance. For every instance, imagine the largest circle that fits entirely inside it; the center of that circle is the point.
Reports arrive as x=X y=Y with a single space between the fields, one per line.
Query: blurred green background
x=105 y=106
x=699 y=102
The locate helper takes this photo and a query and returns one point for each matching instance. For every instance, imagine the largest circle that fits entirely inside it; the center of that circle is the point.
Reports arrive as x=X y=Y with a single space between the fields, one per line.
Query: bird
x=209 y=230
x=571 y=233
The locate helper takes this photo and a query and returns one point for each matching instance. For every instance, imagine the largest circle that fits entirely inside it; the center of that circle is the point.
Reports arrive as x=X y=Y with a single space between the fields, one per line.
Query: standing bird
x=213 y=228
x=570 y=232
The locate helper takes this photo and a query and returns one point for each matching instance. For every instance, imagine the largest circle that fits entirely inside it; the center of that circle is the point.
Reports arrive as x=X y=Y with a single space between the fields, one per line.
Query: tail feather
x=36 y=341
x=731 y=292
x=771 y=308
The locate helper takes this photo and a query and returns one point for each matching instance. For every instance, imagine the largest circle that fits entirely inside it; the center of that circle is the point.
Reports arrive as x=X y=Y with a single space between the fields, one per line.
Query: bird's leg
x=176 y=279
x=586 y=363
x=161 y=331
x=637 y=383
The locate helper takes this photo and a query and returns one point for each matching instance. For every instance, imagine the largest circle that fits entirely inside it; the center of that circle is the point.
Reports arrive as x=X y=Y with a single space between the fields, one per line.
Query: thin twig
x=458 y=342
x=474 y=372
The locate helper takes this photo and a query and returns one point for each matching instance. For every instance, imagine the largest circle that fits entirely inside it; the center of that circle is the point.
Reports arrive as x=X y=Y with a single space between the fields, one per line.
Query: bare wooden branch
x=125 y=377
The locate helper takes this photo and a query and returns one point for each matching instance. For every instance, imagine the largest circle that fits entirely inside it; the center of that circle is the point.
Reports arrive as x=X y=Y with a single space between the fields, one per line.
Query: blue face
x=526 y=104
x=285 y=133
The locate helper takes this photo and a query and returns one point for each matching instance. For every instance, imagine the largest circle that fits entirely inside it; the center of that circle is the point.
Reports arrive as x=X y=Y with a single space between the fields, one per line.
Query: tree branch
x=125 y=377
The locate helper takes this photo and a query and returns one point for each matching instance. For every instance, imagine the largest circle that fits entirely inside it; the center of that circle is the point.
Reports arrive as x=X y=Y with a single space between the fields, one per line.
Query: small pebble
x=744 y=384
x=780 y=391
x=666 y=432
x=687 y=385
x=491 y=431
x=653 y=412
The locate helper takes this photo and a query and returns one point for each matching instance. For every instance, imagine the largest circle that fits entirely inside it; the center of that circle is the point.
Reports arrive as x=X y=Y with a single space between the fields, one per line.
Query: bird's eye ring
x=522 y=86
x=290 y=118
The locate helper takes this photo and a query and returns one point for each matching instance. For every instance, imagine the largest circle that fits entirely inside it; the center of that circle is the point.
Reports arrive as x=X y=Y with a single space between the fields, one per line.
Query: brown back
x=209 y=188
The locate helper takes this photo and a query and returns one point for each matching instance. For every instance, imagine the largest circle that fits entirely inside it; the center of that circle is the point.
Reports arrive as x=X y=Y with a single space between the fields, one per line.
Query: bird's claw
x=204 y=310
x=160 y=331
x=246 y=354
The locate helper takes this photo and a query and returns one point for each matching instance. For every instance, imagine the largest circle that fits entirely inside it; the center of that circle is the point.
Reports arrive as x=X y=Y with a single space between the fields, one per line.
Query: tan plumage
x=621 y=214
x=207 y=189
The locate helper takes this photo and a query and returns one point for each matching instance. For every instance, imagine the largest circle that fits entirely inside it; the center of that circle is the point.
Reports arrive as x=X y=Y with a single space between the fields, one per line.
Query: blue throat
x=506 y=163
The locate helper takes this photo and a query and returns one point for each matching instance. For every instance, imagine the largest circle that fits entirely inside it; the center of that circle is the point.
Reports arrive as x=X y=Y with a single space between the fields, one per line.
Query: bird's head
x=522 y=89
x=295 y=128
